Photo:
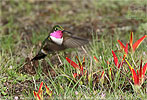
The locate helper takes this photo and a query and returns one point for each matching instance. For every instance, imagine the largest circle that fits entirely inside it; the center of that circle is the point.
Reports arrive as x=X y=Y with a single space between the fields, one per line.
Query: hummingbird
x=58 y=39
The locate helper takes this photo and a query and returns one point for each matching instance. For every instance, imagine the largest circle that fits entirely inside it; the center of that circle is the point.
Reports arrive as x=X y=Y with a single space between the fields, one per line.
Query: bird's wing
x=73 y=42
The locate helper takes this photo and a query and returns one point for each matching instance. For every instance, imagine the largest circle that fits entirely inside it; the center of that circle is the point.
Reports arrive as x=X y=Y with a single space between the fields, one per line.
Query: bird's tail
x=39 y=56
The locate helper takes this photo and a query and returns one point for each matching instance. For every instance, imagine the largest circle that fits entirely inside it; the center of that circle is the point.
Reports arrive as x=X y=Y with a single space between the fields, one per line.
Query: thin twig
x=61 y=63
x=84 y=50
x=133 y=61
x=34 y=83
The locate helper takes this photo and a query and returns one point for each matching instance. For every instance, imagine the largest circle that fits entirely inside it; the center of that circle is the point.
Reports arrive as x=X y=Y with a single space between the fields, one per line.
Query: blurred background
x=78 y=16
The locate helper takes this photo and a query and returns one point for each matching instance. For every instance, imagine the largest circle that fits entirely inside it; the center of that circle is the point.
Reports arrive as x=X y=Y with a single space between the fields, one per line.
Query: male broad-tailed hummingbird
x=58 y=39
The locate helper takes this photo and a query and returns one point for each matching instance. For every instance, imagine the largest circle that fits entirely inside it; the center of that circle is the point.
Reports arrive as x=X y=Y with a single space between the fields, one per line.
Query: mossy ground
x=25 y=23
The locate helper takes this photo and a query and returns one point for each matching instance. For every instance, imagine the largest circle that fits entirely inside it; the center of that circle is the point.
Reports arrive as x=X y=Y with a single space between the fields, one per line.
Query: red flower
x=102 y=75
x=39 y=95
x=96 y=60
x=133 y=46
x=102 y=78
x=48 y=91
x=116 y=59
x=76 y=66
x=121 y=44
x=138 y=77
x=72 y=63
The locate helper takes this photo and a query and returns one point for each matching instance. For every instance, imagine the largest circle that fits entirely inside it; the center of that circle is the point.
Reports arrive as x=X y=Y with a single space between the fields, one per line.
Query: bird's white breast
x=57 y=40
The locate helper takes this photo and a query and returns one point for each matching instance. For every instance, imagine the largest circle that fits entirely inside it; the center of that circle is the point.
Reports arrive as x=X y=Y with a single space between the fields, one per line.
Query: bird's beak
x=66 y=32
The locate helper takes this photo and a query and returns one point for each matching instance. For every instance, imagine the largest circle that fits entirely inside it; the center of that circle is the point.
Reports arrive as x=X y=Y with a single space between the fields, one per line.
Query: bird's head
x=56 y=34
x=57 y=31
x=57 y=27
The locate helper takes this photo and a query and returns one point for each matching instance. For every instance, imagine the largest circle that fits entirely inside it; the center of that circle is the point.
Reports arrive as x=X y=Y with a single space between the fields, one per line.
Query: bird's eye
x=56 y=29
